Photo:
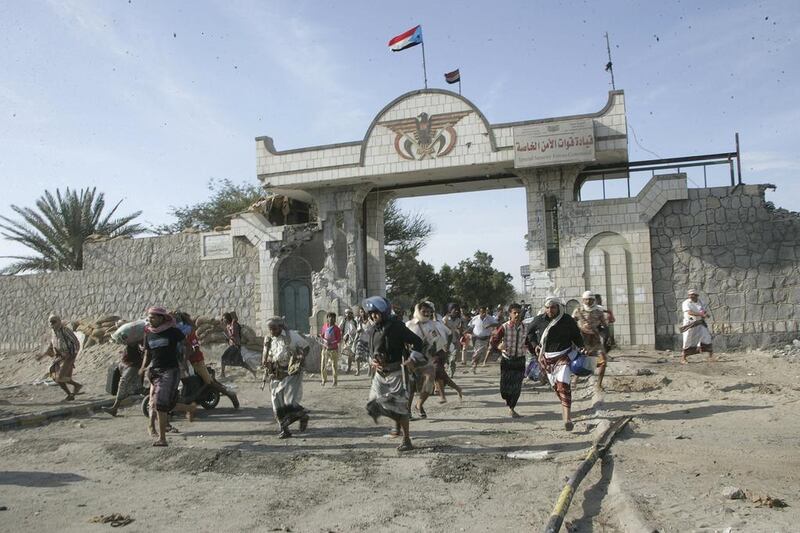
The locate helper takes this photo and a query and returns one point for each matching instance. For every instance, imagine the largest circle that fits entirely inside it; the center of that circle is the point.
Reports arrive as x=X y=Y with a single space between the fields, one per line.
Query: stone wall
x=124 y=277
x=740 y=253
x=604 y=245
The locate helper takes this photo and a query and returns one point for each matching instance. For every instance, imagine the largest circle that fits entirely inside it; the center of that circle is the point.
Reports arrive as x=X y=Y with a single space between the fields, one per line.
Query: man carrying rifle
x=696 y=335
x=386 y=340
x=283 y=357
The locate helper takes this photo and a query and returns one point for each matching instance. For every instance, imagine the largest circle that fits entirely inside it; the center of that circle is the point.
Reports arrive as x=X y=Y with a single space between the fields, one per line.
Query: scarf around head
x=169 y=322
x=553 y=321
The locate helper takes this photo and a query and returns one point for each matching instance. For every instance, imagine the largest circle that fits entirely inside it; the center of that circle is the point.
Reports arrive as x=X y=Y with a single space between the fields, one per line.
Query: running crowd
x=406 y=360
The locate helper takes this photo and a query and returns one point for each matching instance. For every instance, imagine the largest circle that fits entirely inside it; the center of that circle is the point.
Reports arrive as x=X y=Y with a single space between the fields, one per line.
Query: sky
x=150 y=101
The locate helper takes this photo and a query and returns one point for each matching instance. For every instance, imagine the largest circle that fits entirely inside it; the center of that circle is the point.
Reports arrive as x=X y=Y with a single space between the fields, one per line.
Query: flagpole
x=424 y=68
x=459 y=84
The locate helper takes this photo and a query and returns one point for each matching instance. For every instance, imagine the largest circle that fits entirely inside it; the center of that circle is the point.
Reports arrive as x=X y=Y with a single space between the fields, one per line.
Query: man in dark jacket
x=386 y=340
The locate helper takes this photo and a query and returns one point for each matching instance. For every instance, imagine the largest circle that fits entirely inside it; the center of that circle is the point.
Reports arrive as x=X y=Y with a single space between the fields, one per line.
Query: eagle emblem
x=425 y=136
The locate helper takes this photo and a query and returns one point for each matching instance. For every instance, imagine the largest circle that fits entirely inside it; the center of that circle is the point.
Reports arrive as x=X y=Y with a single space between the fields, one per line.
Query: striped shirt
x=513 y=338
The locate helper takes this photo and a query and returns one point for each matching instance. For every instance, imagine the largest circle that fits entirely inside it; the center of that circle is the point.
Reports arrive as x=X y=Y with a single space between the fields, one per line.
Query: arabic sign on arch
x=554 y=143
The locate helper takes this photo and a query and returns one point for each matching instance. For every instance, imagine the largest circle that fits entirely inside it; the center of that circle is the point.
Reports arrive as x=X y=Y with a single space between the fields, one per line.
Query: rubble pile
x=790 y=352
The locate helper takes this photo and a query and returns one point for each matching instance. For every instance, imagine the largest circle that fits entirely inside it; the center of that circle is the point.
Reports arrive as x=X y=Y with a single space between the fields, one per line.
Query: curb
x=37 y=419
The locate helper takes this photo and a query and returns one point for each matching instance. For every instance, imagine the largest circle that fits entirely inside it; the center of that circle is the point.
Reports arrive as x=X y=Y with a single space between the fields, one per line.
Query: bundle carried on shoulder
x=129 y=333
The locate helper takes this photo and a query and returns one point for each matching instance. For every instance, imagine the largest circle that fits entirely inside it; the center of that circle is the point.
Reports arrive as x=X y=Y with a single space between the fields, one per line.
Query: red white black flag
x=453 y=77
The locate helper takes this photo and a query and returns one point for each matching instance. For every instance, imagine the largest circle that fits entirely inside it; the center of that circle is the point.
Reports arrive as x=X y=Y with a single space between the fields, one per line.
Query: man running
x=385 y=339
x=591 y=321
x=554 y=338
x=283 y=357
x=512 y=363
x=64 y=348
x=481 y=327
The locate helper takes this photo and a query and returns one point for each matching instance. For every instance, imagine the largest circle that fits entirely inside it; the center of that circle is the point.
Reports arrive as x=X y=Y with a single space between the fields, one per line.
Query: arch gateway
x=429 y=142
x=641 y=252
x=317 y=244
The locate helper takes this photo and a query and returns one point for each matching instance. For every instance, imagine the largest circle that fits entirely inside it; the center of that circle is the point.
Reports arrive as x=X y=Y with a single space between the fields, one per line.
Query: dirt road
x=697 y=429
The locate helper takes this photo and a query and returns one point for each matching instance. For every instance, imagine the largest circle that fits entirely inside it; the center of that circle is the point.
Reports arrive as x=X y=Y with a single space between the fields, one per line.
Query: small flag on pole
x=453 y=77
x=412 y=37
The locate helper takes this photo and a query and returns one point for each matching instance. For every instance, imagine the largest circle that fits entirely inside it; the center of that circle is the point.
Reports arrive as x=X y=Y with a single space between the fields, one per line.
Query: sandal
x=160 y=444
x=569 y=426
x=422 y=413
x=394 y=433
x=405 y=447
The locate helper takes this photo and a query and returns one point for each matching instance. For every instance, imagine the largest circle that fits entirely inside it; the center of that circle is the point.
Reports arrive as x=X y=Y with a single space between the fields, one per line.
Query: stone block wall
x=604 y=246
x=741 y=254
x=124 y=277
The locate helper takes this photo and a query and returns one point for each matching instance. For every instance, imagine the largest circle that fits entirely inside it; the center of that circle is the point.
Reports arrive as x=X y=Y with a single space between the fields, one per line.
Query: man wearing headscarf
x=64 y=347
x=283 y=357
x=162 y=354
x=386 y=340
x=554 y=338
x=696 y=335
x=423 y=373
x=591 y=321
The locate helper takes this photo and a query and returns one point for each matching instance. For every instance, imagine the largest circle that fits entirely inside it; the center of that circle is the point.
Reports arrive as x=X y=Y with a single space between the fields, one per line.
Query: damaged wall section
x=742 y=254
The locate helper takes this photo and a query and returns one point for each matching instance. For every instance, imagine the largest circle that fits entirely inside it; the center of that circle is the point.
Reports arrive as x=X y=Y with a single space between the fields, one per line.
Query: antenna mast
x=610 y=65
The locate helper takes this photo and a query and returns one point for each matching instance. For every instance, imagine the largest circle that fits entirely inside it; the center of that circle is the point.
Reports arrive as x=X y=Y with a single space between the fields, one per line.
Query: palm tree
x=57 y=229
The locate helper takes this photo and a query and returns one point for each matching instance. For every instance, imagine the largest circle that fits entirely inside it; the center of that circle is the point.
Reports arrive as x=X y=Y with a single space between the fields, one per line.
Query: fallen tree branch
x=597 y=451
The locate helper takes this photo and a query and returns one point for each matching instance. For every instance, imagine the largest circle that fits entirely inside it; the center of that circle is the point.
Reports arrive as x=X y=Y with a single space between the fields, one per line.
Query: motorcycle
x=192 y=389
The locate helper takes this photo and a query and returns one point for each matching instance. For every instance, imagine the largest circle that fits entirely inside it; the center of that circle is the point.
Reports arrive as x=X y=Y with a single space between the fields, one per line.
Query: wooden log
x=597 y=451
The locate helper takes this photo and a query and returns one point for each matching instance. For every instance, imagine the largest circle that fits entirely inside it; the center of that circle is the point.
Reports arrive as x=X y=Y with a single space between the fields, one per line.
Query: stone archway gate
x=433 y=142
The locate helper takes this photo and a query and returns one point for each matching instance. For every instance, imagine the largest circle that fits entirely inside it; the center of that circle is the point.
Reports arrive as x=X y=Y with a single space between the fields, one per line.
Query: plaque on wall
x=554 y=143
x=216 y=245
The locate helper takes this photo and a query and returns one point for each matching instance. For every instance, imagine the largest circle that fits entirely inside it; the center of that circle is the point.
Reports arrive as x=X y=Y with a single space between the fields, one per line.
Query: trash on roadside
x=532 y=456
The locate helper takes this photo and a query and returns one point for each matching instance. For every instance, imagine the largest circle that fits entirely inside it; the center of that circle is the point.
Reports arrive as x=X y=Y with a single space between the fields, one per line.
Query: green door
x=295 y=305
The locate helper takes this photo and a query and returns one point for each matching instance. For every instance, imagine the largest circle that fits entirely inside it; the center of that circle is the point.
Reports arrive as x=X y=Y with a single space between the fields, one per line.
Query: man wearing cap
x=696 y=336
x=283 y=357
x=591 y=320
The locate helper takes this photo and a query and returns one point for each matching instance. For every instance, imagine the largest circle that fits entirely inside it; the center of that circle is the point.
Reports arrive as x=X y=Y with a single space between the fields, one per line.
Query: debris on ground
x=114 y=519
x=732 y=493
x=766 y=501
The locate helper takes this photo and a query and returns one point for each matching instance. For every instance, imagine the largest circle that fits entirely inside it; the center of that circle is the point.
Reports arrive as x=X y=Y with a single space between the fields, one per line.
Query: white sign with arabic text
x=554 y=143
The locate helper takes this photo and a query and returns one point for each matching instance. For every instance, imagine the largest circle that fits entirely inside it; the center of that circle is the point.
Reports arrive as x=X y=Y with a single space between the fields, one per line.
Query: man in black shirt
x=386 y=340
x=161 y=340
x=554 y=338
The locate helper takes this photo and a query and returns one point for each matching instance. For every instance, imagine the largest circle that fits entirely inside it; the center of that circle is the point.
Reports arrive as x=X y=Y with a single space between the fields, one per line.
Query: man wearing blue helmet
x=386 y=340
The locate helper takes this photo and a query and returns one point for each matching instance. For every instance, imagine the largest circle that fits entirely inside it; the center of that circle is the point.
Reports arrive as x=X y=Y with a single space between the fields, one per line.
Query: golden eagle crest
x=425 y=136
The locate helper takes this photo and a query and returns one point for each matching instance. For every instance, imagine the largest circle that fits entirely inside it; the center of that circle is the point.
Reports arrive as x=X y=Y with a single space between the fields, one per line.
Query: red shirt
x=331 y=336
x=193 y=347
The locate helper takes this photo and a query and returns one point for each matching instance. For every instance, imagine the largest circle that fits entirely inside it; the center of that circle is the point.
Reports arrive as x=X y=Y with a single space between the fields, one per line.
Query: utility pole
x=610 y=65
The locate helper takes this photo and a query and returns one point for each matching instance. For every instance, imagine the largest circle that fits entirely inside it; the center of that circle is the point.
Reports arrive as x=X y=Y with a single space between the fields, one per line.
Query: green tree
x=59 y=225
x=476 y=282
x=227 y=199
x=404 y=236
x=407 y=231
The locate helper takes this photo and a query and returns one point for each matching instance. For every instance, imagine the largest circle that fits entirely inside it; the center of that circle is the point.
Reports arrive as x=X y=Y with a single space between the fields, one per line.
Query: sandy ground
x=696 y=430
